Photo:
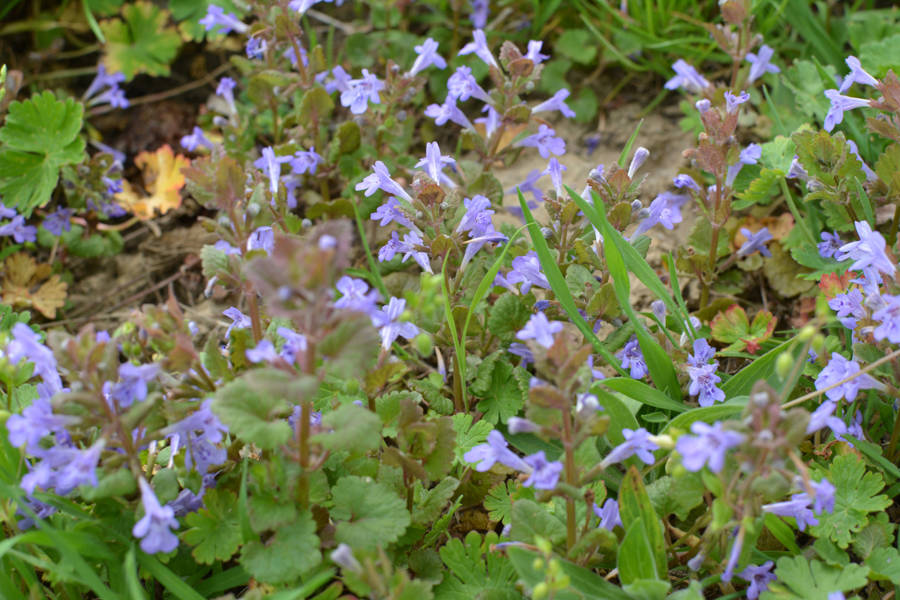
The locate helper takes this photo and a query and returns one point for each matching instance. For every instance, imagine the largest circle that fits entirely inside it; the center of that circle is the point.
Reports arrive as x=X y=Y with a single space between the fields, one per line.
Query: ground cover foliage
x=420 y=383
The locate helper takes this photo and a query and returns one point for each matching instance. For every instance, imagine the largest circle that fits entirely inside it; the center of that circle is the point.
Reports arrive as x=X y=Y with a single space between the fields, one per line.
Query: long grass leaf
x=169 y=580
x=643 y=393
x=561 y=289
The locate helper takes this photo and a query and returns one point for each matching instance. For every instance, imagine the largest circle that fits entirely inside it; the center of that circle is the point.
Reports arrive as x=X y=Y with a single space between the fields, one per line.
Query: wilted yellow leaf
x=22 y=286
x=162 y=179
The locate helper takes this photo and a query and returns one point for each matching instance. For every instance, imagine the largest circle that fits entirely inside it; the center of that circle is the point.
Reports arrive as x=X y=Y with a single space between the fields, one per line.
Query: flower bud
x=783 y=364
x=343 y=557
x=537 y=564
x=520 y=425
x=423 y=344
x=253 y=209
x=818 y=343
x=541 y=591
x=806 y=333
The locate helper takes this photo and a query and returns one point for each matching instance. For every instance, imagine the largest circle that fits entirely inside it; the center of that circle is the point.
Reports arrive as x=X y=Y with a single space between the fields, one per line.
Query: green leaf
x=505 y=394
x=578 y=45
x=473 y=571
x=878 y=56
x=252 y=413
x=741 y=383
x=530 y=519
x=643 y=393
x=353 y=429
x=583 y=582
x=708 y=414
x=39 y=137
x=733 y=327
x=499 y=502
x=885 y=564
x=507 y=316
x=141 y=43
x=801 y=579
x=856 y=495
x=368 y=514
x=215 y=529
x=635 y=557
x=676 y=496
x=286 y=556
x=430 y=506
x=635 y=507
x=468 y=435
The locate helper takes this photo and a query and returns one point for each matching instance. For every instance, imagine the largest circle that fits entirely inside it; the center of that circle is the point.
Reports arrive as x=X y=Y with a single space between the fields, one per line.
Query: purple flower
x=797 y=507
x=822 y=416
x=756 y=242
x=411 y=241
x=113 y=187
x=426 y=56
x=526 y=270
x=838 y=369
x=857 y=75
x=448 y=111
x=360 y=92
x=294 y=343
x=256 y=48
x=202 y=423
x=434 y=163
x=682 y=181
x=888 y=317
x=636 y=442
x=849 y=307
x=829 y=246
x=837 y=595
x=839 y=104
x=264 y=352
x=380 y=179
x=263 y=238
x=490 y=122
x=479 y=47
x=703 y=105
x=58 y=221
x=390 y=211
x=102 y=80
x=640 y=156
x=759 y=577
x=63 y=468
x=632 y=358
x=555 y=171
x=36 y=422
x=870 y=174
x=240 y=320
x=545 y=141
x=519 y=425
x=19 y=231
x=665 y=210
x=271 y=164
x=154 y=529
x=759 y=63
x=528 y=186
x=388 y=321
x=609 y=515
x=195 y=139
x=479 y=13
x=484 y=456
x=533 y=52
x=462 y=86
x=545 y=474
x=868 y=253
x=556 y=102
x=823 y=496
x=540 y=329
x=339 y=82
x=477 y=221
x=732 y=102
x=707 y=446
x=133 y=385
x=703 y=382
x=522 y=351
x=305 y=161
x=301 y=6
x=733 y=556
x=687 y=77
x=355 y=295
x=703 y=353
x=26 y=344
x=216 y=17
x=225 y=89
x=748 y=156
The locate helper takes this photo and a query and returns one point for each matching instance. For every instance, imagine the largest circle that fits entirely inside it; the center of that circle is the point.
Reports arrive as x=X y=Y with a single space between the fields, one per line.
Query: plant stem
x=571 y=477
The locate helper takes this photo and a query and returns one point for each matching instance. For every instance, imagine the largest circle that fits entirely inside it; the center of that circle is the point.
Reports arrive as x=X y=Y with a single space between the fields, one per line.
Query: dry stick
x=862 y=371
x=181 y=89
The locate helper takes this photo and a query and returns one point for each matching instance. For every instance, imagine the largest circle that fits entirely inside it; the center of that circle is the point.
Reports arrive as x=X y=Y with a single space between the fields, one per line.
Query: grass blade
x=643 y=393
x=559 y=287
x=167 y=578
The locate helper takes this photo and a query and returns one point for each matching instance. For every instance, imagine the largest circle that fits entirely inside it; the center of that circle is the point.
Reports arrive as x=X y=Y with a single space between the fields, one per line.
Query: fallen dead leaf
x=27 y=284
x=163 y=179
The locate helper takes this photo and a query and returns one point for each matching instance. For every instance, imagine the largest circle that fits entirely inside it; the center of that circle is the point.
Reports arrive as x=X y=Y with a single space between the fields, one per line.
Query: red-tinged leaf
x=731 y=325
x=833 y=284
x=760 y=330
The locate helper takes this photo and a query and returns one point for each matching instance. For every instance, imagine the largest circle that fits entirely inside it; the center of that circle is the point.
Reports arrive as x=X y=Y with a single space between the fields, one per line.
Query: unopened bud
x=541 y=591
x=703 y=105
x=806 y=333
x=423 y=344
x=636 y=205
x=520 y=425
x=537 y=564
x=343 y=557
x=818 y=343
x=253 y=209
x=640 y=155
x=783 y=364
